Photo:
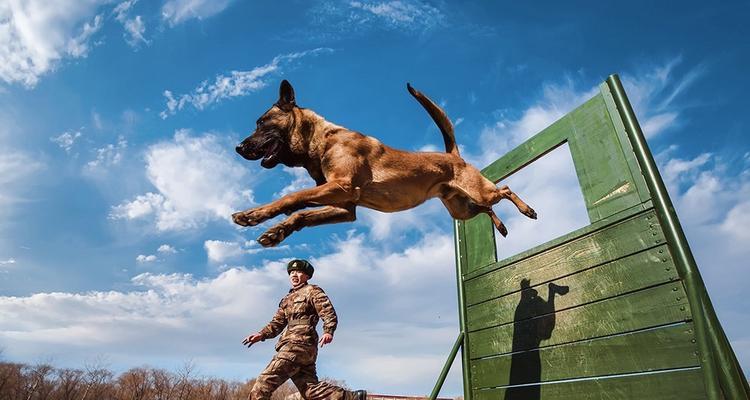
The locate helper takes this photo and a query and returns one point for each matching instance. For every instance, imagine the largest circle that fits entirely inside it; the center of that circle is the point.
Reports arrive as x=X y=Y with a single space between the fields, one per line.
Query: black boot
x=360 y=395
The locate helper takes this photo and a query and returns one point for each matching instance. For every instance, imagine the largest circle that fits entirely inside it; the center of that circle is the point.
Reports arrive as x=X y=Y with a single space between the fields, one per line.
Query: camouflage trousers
x=298 y=363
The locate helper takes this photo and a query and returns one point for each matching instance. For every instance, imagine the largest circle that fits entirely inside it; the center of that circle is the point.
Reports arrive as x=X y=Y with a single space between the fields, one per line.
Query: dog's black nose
x=238 y=149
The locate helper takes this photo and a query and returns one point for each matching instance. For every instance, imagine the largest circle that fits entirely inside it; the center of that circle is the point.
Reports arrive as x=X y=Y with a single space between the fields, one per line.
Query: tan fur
x=352 y=170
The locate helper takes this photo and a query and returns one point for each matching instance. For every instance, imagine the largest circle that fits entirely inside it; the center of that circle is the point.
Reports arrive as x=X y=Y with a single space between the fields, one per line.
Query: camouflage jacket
x=299 y=311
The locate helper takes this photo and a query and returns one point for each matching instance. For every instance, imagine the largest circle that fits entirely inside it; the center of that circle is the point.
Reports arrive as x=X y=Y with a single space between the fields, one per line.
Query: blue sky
x=118 y=122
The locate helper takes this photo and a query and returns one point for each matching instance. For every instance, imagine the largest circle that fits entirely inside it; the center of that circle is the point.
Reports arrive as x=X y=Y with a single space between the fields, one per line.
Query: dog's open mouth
x=271 y=157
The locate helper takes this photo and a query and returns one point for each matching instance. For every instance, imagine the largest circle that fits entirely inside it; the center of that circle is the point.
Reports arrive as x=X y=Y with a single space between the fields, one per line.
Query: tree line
x=45 y=382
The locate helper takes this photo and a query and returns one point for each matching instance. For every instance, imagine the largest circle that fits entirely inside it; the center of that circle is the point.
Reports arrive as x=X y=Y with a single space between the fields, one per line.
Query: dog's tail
x=440 y=118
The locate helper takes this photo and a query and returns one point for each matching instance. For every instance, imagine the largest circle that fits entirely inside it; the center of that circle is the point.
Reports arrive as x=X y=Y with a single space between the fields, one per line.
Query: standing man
x=296 y=351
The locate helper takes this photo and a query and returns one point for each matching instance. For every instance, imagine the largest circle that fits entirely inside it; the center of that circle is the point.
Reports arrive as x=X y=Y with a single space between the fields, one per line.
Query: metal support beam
x=447 y=367
x=459 y=236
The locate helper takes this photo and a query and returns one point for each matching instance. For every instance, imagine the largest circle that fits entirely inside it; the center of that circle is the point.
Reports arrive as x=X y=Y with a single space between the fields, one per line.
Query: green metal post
x=732 y=379
x=673 y=231
x=447 y=367
x=460 y=261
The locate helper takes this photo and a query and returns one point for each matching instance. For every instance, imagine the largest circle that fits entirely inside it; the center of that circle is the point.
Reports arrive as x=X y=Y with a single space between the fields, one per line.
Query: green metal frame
x=620 y=182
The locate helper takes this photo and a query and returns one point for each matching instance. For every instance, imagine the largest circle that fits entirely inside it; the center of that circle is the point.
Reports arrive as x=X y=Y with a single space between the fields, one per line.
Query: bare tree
x=133 y=384
x=183 y=386
x=98 y=382
x=69 y=384
x=12 y=381
x=162 y=383
x=40 y=386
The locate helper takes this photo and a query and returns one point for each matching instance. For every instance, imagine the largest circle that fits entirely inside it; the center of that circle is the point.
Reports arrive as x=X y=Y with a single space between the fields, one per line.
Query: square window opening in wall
x=550 y=186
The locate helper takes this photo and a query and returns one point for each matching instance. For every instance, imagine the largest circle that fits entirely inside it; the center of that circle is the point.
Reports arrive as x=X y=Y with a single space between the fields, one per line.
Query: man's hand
x=325 y=339
x=250 y=339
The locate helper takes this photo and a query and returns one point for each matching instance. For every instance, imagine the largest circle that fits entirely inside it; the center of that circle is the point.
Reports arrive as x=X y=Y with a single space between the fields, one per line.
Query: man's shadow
x=534 y=321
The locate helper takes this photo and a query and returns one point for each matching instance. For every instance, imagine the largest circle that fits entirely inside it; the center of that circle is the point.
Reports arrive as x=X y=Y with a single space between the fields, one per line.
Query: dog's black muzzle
x=246 y=153
x=268 y=148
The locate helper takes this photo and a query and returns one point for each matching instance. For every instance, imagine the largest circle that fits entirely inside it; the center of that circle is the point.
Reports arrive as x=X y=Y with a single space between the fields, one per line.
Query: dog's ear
x=286 y=96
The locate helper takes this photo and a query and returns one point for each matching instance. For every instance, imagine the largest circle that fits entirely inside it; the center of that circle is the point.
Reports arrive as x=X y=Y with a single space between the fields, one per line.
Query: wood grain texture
x=657 y=349
x=634 y=272
x=673 y=385
x=627 y=237
x=651 y=307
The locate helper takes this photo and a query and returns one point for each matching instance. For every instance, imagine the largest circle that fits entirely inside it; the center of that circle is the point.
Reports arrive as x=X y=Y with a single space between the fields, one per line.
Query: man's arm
x=325 y=310
x=277 y=324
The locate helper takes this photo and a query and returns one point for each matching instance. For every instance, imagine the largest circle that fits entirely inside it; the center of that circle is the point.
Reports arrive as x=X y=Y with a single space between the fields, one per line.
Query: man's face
x=297 y=277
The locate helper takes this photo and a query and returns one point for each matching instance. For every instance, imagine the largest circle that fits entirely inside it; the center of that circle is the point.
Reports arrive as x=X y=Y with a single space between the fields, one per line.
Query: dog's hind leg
x=483 y=192
x=497 y=222
x=461 y=207
x=301 y=219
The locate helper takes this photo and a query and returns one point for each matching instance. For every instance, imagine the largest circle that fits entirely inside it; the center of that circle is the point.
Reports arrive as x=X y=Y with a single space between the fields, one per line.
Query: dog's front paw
x=250 y=217
x=240 y=219
x=273 y=236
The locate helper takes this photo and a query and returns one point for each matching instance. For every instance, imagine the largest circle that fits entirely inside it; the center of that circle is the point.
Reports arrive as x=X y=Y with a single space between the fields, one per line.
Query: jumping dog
x=351 y=169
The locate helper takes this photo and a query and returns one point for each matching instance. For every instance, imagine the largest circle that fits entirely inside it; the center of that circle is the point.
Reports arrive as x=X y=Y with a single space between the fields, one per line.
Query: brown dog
x=352 y=170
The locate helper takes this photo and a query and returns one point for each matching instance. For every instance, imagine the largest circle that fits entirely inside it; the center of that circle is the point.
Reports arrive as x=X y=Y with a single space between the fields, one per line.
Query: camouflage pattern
x=299 y=312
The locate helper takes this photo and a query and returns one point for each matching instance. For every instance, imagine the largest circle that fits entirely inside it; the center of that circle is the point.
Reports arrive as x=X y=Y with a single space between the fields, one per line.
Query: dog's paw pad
x=272 y=237
x=239 y=219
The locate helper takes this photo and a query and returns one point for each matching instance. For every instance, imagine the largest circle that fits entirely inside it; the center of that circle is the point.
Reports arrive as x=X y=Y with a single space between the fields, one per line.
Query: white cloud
x=401 y=13
x=178 y=11
x=653 y=95
x=219 y=251
x=134 y=27
x=301 y=180
x=196 y=180
x=550 y=186
x=79 y=45
x=8 y=261
x=166 y=249
x=108 y=155
x=506 y=133
x=238 y=83
x=15 y=169
x=36 y=35
x=66 y=139
x=142 y=206
x=390 y=226
x=354 y=17
x=121 y=10
x=145 y=258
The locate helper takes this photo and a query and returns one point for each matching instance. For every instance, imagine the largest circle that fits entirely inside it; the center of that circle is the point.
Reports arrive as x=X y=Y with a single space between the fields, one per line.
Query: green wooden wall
x=602 y=312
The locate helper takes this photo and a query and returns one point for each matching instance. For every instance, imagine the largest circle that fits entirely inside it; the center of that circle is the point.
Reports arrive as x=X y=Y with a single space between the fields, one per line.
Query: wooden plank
x=479 y=234
x=651 y=350
x=564 y=239
x=628 y=237
x=671 y=385
x=627 y=148
x=647 y=308
x=637 y=271
x=603 y=173
x=530 y=150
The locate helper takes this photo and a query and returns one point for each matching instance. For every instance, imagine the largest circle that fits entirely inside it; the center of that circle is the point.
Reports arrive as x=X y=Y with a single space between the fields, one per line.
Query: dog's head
x=270 y=140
